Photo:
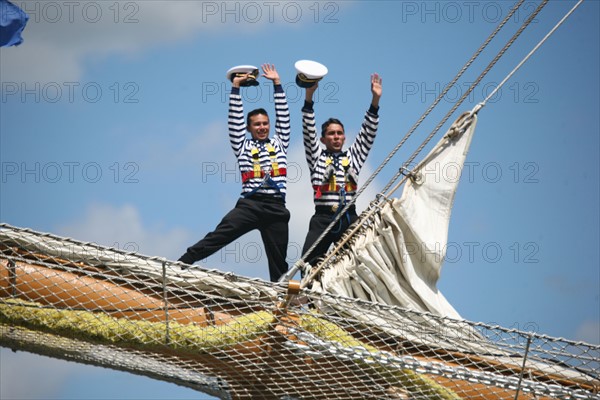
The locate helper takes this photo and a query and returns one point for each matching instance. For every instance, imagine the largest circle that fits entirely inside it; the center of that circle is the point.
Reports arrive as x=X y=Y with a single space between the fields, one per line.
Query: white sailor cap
x=244 y=69
x=309 y=72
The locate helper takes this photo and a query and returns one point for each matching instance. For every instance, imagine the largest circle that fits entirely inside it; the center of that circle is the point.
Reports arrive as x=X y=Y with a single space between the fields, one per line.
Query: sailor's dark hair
x=258 y=111
x=329 y=122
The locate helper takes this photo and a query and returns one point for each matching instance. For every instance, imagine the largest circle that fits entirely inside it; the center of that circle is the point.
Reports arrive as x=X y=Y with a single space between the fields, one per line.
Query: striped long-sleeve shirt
x=265 y=155
x=321 y=161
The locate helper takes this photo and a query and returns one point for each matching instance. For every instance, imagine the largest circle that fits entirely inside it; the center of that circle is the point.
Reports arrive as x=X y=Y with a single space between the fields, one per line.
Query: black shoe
x=186 y=259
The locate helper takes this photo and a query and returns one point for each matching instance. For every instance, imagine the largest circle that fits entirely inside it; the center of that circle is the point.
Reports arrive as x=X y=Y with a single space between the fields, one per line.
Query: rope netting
x=240 y=338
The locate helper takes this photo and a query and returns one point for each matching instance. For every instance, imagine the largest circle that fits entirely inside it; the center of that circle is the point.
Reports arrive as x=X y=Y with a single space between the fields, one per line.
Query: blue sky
x=113 y=130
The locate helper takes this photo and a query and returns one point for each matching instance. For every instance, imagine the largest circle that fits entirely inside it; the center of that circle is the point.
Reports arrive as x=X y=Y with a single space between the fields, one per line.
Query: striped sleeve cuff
x=373 y=110
x=308 y=106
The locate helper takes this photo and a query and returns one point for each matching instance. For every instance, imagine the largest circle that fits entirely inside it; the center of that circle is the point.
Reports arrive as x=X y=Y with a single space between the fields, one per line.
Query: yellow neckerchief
x=256 y=161
x=332 y=179
x=273 y=155
x=258 y=172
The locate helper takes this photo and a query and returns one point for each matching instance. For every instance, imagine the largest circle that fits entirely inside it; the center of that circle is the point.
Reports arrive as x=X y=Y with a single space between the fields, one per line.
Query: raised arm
x=282 y=112
x=312 y=150
x=364 y=141
x=235 y=118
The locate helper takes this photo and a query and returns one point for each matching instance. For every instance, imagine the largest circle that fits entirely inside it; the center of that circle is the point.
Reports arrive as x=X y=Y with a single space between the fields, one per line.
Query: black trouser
x=266 y=213
x=318 y=222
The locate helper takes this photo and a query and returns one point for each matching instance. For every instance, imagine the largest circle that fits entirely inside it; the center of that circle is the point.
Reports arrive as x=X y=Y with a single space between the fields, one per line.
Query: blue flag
x=12 y=23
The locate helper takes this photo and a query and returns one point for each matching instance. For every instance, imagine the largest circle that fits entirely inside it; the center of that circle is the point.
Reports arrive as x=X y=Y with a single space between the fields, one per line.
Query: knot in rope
x=460 y=125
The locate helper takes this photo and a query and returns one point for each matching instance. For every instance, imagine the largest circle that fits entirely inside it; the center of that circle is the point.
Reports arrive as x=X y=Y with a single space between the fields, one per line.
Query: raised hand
x=376 y=85
x=310 y=91
x=375 y=88
x=270 y=73
x=238 y=80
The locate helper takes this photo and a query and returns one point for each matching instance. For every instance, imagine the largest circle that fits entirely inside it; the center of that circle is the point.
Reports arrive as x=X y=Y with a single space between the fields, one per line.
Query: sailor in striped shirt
x=263 y=164
x=334 y=171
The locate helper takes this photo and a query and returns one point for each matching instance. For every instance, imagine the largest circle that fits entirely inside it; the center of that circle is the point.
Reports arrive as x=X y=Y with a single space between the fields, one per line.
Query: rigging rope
x=558 y=24
x=489 y=96
x=296 y=266
x=358 y=224
x=367 y=215
x=471 y=88
x=476 y=109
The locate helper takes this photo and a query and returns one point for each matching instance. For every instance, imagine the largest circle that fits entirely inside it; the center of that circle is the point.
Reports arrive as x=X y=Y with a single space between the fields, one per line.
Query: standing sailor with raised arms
x=263 y=164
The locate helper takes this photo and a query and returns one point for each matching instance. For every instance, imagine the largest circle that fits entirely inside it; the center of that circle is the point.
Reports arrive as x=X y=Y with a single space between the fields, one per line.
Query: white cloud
x=122 y=227
x=61 y=37
x=185 y=147
x=589 y=332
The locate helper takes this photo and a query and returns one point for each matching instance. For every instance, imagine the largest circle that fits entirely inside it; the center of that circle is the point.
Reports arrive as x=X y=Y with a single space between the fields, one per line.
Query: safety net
x=239 y=338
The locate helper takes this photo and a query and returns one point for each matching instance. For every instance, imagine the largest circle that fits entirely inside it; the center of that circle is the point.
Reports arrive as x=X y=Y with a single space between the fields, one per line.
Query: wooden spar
x=64 y=289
